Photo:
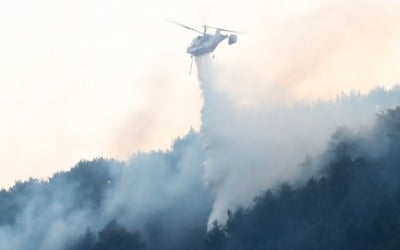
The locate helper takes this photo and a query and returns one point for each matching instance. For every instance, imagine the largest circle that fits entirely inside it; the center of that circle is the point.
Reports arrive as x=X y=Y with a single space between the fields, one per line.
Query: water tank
x=232 y=39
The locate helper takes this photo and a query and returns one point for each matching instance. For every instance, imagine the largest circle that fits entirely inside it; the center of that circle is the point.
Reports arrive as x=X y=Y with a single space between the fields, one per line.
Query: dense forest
x=351 y=202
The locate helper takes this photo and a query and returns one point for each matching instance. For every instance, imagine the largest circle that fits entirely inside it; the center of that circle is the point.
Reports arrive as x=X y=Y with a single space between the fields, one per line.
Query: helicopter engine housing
x=232 y=39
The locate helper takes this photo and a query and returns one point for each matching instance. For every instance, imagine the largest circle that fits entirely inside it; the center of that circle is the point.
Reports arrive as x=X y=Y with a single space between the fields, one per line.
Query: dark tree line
x=112 y=237
x=356 y=205
x=353 y=203
x=88 y=182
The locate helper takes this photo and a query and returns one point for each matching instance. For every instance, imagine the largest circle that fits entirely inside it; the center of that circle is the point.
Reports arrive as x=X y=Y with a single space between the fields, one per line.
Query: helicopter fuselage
x=205 y=43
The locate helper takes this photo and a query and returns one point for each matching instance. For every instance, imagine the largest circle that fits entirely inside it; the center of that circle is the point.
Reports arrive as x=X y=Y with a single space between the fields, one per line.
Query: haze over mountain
x=110 y=78
x=288 y=139
x=166 y=199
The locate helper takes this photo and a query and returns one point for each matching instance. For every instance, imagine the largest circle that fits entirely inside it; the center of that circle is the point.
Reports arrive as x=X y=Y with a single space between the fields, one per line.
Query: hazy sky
x=87 y=78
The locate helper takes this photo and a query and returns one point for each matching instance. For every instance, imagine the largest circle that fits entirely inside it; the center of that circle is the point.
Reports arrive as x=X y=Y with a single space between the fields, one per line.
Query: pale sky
x=87 y=78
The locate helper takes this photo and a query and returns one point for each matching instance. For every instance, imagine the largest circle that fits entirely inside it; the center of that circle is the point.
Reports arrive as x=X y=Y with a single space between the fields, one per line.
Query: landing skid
x=191 y=64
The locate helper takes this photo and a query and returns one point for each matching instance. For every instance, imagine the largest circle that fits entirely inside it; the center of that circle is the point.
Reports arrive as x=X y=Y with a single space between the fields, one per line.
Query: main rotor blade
x=231 y=31
x=185 y=26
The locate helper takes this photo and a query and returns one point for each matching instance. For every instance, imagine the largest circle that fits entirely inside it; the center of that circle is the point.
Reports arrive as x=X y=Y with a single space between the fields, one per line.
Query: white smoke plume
x=160 y=191
x=249 y=148
x=246 y=149
x=253 y=148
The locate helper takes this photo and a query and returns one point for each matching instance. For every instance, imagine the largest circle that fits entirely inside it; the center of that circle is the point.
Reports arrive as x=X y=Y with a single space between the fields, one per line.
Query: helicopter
x=207 y=43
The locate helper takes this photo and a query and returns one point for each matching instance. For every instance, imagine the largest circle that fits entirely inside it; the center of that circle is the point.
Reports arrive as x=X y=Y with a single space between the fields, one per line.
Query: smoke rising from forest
x=251 y=149
x=251 y=140
x=159 y=193
x=169 y=196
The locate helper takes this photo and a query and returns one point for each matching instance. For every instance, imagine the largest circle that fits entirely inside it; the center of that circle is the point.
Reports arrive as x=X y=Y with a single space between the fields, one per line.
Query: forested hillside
x=351 y=202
